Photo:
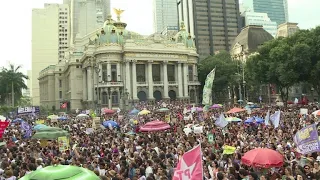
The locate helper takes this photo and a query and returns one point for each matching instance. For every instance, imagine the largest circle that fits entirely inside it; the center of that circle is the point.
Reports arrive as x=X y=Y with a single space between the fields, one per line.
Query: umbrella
x=233 y=119
x=108 y=111
x=235 y=110
x=18 y=120
x=154 y=126
x=216 y=106
x=134 y=111
x=110 y=123
x=144 y=112
x=262 y=158
x=316 y=113
x=163 y=110
x=50 y=133
x=62 y=118
x=82 y=115
x=53 y=117
x=61 y=172
x=254 y=119
x=39 y=126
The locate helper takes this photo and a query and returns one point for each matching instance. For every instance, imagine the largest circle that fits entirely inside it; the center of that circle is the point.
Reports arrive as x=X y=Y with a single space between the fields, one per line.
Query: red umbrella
x=235 y=110
x=263 y=158
x=108 y=111
x=154 y=126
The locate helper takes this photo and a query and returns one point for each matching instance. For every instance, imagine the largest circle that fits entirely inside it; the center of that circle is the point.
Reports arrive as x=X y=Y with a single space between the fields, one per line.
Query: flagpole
x=201 y=156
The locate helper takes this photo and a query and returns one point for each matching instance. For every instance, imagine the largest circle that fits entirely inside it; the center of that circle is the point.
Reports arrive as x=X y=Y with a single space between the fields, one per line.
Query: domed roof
x=251 y=37
x=108 y=26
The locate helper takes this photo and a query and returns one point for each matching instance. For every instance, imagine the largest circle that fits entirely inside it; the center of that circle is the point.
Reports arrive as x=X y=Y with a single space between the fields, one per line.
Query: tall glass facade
x=277 y=10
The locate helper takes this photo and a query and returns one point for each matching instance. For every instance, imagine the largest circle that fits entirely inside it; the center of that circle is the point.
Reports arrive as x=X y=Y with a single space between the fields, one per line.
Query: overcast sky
x=15 y=18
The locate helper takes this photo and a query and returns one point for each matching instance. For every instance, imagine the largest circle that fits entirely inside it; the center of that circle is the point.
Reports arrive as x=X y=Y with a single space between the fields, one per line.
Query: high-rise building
x=86 y=16
x=165 y=14
x=261 y=19
x=277 y=10
x=50 y=35
x=214 y=24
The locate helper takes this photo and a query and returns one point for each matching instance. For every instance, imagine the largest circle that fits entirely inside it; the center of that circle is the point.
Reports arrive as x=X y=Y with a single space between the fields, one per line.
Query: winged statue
x=118 y=13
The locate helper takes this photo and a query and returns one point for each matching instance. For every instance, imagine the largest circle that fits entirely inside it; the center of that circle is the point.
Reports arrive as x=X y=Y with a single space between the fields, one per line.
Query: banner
x=63 y=143
x=3 y=126
x=28 y=110
x=307 y=140
x=190 y=165
x=207 y=89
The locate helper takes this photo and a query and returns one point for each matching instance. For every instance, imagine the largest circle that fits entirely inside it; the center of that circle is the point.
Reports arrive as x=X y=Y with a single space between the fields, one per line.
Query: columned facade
x=116 y=70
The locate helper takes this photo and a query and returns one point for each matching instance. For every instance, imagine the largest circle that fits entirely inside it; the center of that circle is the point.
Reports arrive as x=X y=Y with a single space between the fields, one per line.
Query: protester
x=120 y=153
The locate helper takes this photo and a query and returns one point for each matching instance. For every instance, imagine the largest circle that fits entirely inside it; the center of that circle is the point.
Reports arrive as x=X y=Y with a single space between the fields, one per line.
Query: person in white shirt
x=149 y=169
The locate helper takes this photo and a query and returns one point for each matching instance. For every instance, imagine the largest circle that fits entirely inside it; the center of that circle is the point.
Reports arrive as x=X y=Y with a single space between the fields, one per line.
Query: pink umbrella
x=154 y=126
x=108 y=111
x=235 y=110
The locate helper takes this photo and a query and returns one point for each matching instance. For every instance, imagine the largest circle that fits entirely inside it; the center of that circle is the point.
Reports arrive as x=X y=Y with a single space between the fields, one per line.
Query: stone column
x=195 y=73
x=150 y=81
x=180 y=87
x=118 y=72
x=84 y=85
x=109 y=71
x=90 y=83
x=110 y=100
x=165 y=81
x=185 y=80
x=134 y=81
x=128 y=79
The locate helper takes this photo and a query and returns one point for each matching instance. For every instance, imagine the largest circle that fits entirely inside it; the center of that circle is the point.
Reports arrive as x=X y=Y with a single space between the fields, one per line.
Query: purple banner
x=307 y=140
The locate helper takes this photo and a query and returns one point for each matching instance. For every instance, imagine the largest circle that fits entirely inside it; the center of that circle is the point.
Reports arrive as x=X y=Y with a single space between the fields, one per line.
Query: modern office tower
x=165 y=14
x=86 y=16
x=260 y=19
x=277 y=10
x=50 y=35
x=214 y=24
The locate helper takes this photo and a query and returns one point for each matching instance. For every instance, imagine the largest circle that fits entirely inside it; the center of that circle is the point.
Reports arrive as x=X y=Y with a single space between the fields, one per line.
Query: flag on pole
x=190 y=165
x=207 y=89
x=275 y=118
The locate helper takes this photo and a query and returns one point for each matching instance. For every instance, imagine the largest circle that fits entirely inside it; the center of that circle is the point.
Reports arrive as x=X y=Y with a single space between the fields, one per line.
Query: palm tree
x=12 y=81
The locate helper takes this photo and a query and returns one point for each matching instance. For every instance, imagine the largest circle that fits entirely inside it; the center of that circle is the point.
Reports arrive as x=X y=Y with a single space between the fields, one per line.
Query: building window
x=114 y=98
x=190 y=72
x=60 y=83
x=141 y=72
x=104 y=73
x=114 y=73
x=171 y=72
x=156 y=74
x=60 y=94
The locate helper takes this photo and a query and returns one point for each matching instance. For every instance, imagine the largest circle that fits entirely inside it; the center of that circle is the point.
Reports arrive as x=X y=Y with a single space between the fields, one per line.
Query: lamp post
x=109 y=97
x=97 y=71
x=312 y=89
x=229 y=95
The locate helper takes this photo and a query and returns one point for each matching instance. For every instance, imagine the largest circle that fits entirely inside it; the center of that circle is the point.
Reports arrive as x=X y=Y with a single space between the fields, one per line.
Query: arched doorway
x=142 y=96
x=104 y=98
x=192 y=96
x=115 y=98
x=157 y=95
x=172 y=95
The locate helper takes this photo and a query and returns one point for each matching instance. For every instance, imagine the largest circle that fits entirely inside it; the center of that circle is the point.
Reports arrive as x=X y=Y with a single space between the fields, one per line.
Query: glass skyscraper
x=277 y=10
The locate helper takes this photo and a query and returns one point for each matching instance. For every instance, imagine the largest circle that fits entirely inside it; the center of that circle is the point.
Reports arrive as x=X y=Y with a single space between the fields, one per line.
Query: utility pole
x=12 y=93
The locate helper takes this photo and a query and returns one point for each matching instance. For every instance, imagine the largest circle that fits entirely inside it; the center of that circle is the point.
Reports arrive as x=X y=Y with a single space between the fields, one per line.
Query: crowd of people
x=125 y=153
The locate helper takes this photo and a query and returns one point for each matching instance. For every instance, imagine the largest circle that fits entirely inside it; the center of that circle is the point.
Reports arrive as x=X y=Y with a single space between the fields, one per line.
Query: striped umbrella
x=154 y=126
x=61 y=172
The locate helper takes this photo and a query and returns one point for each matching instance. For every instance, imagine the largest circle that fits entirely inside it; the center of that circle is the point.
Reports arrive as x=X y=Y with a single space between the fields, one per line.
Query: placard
x=210 y=138
x=3 y=126
x=28 y=110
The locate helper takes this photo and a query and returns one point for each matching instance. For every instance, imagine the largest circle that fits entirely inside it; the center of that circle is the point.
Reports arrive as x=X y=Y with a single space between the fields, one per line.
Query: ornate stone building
x=113 y=67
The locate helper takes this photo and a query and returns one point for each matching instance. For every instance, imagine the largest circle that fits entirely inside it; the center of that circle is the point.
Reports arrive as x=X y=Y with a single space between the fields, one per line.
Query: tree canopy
x=12 y=81
x=226 y=75
x=285 y=62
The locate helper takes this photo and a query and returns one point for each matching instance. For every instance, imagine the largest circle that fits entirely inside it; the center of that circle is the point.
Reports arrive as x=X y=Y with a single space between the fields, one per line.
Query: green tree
x=314 y=43
x=226 y=70
x=283 y=62
x=12 y=81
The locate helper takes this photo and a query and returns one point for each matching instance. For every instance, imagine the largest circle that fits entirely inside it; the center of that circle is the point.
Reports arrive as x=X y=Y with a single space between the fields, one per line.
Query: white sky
x=15 y=18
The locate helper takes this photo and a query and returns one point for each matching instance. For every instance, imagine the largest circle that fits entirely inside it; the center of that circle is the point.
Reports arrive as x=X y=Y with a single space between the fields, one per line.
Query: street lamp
x=312 y=89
